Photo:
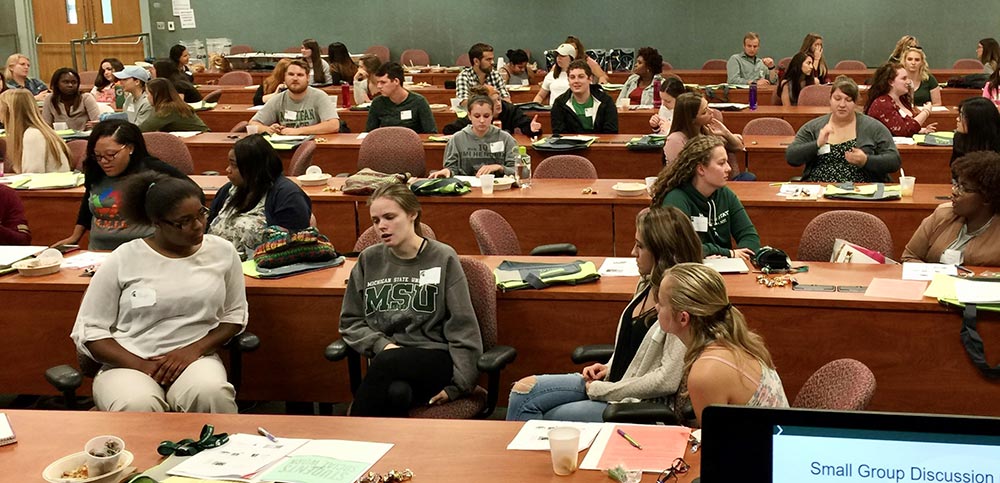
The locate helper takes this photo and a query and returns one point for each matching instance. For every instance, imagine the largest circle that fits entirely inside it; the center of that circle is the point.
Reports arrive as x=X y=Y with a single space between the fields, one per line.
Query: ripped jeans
x=559 y=397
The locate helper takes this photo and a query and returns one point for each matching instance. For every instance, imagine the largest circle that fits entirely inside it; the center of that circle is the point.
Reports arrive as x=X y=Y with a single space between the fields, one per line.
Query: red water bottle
x=345 y=96
x=656 y=94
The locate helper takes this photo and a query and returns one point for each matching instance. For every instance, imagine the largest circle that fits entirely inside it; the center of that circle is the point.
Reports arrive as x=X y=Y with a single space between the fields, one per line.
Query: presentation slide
x=823 y=455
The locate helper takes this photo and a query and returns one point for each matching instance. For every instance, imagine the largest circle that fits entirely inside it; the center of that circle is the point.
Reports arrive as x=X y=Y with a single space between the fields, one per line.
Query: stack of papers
x=794 y=191
x=12 y=253
x=619 y=267
x=534 y=435
x=727 y=265
x=46 y=181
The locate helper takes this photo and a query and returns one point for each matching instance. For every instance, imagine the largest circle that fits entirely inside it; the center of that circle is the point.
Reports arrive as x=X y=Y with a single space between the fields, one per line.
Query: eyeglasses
x=960 y=189
x=109 y=157
x=188 y=222
x=679 y=467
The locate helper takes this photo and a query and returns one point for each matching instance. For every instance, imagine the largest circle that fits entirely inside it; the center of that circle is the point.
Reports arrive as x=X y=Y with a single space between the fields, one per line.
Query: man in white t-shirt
x=298 y=110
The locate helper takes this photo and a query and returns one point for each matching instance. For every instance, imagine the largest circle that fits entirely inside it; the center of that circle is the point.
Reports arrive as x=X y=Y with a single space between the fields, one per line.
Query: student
x=423 y=351
x=13 y=223
x=115 y=150
x=17 y=77
x=272 y=84
x=397 y=106
x=257 y=195
x=365 y=86
x=67 y=104
x=32 y=145
x=156 y=341
x=479 y=73
x=812 y=44
x=180 y=57
x=556 y=82
x=927 y=90
x=799 y=74
x=977 y=128
x=586 y=108
x=481 y=148
x=692 y=117
x=745 y=67
x=105 y=83
x=510 y=116
x=168 y=70
x=516 y=71
x=987 y=51
x=133 y=80
x=319 y=69
x=638 y=88
x=991 y=90
x=725 y=362
x=905 y=43
x=696 y=183
x=670 y=90
x=647 y=362
x=342 y=67
x=844 y=146
x=300 y=109
x=889 y=102
x=965 y=230
x=170 y=112
x=581 y=53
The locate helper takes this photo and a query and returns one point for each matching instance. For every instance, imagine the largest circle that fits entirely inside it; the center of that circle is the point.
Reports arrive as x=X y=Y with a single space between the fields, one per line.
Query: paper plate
x=629 y=189
x=500 y=184
x=437 y=107
x=53 y=472
x=314 y=180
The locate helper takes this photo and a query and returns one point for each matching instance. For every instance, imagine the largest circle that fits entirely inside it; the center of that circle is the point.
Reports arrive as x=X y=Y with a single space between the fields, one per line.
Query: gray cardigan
x=872 y=137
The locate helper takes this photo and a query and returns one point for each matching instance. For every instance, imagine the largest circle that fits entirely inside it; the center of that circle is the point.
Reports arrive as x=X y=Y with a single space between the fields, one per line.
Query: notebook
x=6 y=432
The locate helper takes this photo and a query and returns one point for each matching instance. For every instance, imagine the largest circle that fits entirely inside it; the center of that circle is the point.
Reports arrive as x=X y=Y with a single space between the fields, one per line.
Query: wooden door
x=59 y=21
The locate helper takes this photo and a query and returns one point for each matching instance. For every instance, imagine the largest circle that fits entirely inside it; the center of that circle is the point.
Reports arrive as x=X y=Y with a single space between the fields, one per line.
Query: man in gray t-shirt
x=300 y=109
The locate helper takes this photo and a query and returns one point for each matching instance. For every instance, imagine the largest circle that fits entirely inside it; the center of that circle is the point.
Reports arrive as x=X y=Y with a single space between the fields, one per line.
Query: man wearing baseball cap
x=133 y=81
x=555 y=82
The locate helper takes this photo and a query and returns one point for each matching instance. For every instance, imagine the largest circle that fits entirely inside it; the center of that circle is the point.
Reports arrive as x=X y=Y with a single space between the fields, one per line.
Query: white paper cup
x=906 y=185
x=564 y=445
x=251 y=129
x=408 y=79
x=101 y=456
x=649 y=182
x=622 y=104
x=60 y=126
x=487 y=181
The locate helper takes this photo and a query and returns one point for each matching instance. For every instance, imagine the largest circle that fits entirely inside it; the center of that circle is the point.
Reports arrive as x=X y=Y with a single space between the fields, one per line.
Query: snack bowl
x=455 y=68
x=438 y=107
x=314 y=179
x=501 y=184
x=437 y=69
x=54 y=472
x=629 y=189
x=37 y=267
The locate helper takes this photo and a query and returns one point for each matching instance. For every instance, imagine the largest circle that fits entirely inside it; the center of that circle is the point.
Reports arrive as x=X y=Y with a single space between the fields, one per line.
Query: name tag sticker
x=496 y=147
x=130 y=109
x=430 y=276
x=951 y=257
x=700 y=223
x=589 y=112
x=825 y=149
x=405 y=115
x=291 y=115
x=142 y=297
x=902 y=112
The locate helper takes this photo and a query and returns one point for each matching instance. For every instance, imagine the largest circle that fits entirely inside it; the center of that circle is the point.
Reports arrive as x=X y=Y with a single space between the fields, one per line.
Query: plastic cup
x=251 y=129
x=60 y=126
x=649 y=183
x=906 y=185
x=564 y=444
x=622 y=104
x=408 y=79
x=487 y=181
x=456 y=103
x=103 y=453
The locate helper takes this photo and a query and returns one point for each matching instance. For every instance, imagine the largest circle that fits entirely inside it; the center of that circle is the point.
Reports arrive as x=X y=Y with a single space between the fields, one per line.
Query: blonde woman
x=32 y=145
x=16 y=75
x=923 y=84
x=905 y=43
x=725 y=362
x=273 y=84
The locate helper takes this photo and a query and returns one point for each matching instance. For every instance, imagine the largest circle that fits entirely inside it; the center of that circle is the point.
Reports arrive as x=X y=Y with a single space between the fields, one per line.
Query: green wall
x=686 y=33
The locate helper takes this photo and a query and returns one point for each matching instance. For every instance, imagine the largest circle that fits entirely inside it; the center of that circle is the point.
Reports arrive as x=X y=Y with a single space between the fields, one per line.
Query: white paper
x=361 y=451
x=242 y=456
x=277 y=138
x=6 y=432
x=727 y=265
x=255 y=108
x=792 y=190
x=903 y=140
x=362 y=135
x=926 y=271
x=179 y=5
x=185 y=134
x=977 y=292
x=727 y=105
x=939 y=109
x=12 y=253
x=534 y=435
x=472 y=180
x=187 y=18
x=85 y=259
x=619 y=267
x=578 y=137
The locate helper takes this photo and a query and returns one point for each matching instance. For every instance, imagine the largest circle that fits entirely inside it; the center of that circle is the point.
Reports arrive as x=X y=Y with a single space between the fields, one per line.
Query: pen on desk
x=963 y=269
x=263 y=432
x=629 y=439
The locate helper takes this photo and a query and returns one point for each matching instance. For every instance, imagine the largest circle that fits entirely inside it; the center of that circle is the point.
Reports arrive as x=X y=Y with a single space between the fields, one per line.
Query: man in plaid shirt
x=481 y=72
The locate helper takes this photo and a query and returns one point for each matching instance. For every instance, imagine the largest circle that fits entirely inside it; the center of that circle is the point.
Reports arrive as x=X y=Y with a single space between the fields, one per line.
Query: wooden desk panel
x=434 y=95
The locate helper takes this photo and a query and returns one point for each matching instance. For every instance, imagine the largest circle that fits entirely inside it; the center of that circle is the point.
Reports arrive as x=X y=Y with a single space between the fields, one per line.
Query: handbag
x=282 y=247
x=769 y=259
x=367 y=180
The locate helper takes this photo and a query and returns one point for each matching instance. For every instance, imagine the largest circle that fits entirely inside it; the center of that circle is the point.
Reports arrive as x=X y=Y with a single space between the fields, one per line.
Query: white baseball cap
x=567 y=49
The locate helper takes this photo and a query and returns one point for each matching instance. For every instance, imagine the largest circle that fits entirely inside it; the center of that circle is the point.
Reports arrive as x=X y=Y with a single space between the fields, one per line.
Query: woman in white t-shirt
x=32 y=145
x=556 y=81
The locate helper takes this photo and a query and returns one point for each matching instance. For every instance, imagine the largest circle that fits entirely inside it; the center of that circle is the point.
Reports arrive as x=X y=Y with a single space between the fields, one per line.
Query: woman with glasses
x=256 y=196
x=977 y=128
x=115 y=149
x=160 y=307
x=965 y=230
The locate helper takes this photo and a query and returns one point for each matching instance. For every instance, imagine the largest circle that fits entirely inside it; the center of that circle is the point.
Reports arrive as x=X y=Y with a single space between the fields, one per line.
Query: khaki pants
x=201 y=388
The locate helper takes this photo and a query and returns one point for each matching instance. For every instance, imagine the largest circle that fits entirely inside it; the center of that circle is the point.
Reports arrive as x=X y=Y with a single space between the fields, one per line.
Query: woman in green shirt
x=170 y=112
x=923 y=84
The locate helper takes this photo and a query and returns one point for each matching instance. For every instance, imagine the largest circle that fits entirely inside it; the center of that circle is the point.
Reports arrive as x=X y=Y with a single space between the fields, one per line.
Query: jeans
x=558 y=397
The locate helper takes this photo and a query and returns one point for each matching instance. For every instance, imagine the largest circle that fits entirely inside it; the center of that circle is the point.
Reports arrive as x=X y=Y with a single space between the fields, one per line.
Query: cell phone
x=808 y=287
x=852 y=288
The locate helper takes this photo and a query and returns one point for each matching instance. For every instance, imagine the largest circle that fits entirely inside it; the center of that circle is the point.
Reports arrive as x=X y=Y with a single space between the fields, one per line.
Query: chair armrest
x=336 y=351
x=640 y=413
x=496 y=358
x=64 y=378
x=592 y=353
x=555 y=249
x=245 y=342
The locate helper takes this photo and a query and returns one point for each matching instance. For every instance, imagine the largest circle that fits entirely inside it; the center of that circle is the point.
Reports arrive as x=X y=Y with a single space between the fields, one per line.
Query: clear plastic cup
x=564 y=444
x=649 y=184
x=60 y=126
x=251 y=129
x=906 y=184
x=103 y=453
x=487 y=182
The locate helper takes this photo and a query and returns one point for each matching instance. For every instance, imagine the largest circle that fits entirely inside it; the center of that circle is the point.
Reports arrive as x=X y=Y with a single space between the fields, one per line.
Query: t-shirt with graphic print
x=314 y=108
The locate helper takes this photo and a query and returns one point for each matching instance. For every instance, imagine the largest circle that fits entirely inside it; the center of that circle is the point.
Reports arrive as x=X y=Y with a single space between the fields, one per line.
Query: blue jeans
x=558 y=397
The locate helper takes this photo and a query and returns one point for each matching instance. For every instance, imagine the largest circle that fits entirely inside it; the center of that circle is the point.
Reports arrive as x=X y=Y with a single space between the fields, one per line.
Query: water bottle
x=656 y=94
x=345 y=96
x=753 y=96
x=119 y=96
x=523 y=168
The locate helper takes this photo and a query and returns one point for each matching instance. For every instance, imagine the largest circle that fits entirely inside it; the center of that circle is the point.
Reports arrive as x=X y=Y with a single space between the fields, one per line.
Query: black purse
x=769 y=259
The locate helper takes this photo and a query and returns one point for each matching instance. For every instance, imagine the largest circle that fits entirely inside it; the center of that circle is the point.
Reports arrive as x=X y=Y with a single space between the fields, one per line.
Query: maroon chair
x=967 y=64
x=169 y=149
x=463 y=60
x=240 y=49
x=857 y=227
x=302 y=158
x=380 y=51
x=236 y=78
x=393 y=149
x=370 y=237
x=88 y=77
x=667 y=66
x=213 y=96
x=850 y=65
x=714 y=64
x=240 y=126
x=815 y=95
x=565 y=166
x=414 y=57
x=495 y=236
x=843 y=384
x=768 y=126
x=77 y=153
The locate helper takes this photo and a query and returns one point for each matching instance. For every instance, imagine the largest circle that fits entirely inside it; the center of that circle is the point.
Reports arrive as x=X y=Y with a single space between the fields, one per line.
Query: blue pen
x=263 y=432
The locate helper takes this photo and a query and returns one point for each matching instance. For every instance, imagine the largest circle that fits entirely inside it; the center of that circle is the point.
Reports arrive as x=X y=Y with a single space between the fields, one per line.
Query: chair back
x=393 y=149
x=240 y=49
x=293 y=50
x=213 y=96
x=169 y=149
x=968 y=64
x=380 y=51
x=463 y=60
x=370 y=237
x=494 y=235
x=815 y=95
x=860 y=228
x=850 y=65
x=783 y=63
x=302 y=158
x=714 y=64
x=77 y=153
x=240 y=127
x=236 y=78
x=565 y=166
x=768 y=126
x=414 y=57
x=667 y=66
x=88 y=77
x=843 y=384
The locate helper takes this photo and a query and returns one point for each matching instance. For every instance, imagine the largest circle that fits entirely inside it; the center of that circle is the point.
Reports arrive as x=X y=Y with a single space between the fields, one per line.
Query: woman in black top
x=168 y=70
x=978 y=128
x=180 y=56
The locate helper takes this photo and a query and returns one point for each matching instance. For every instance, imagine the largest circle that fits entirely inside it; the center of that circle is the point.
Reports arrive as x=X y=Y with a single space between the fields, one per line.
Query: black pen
x=966 y=270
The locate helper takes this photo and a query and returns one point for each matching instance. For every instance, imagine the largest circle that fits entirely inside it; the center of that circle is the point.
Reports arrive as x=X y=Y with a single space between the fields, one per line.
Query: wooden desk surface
x=435 y=450
x=433 y=94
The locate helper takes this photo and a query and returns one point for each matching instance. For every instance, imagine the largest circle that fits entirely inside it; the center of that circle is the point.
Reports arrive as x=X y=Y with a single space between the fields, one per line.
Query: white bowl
x=314 y=179
x=33 y=268
x=53 y=472
x=500 y=184
x=629 y=189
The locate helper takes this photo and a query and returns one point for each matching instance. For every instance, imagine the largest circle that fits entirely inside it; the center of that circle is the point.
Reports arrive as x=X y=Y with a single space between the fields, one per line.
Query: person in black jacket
x=168 y=70
x=510 y=116
x=585 y=108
